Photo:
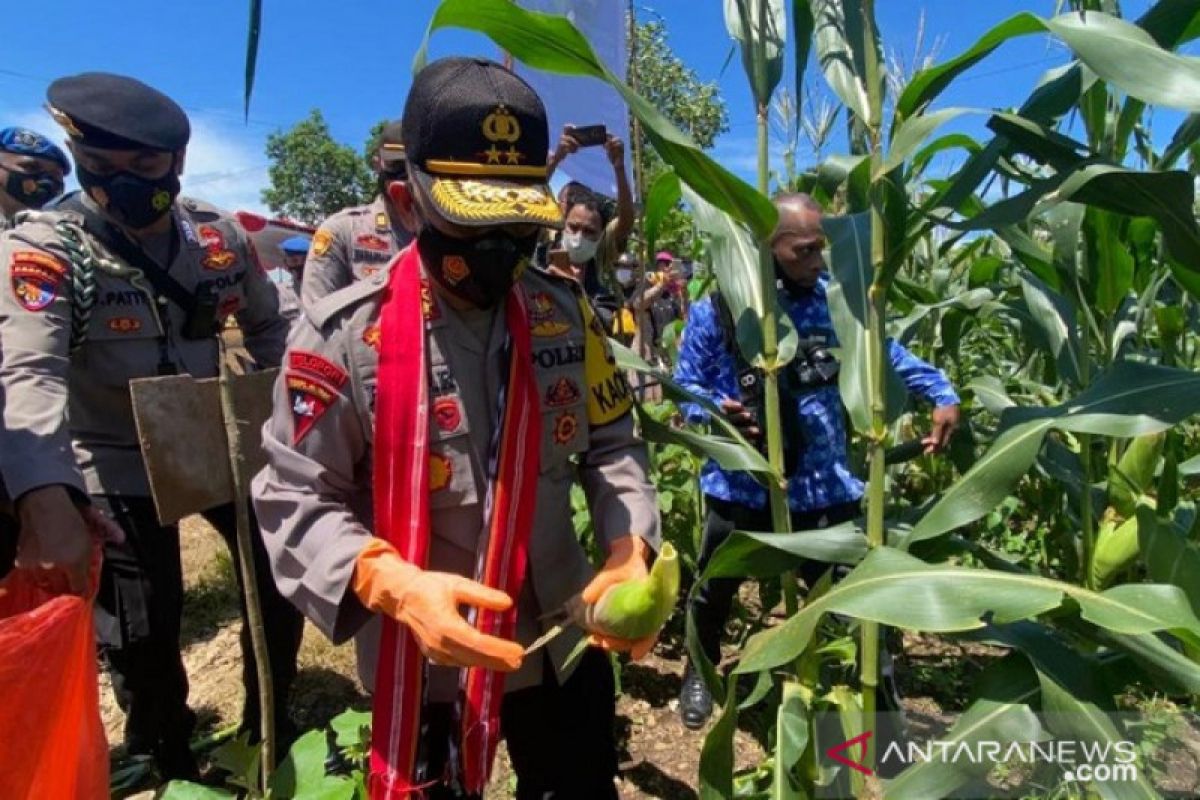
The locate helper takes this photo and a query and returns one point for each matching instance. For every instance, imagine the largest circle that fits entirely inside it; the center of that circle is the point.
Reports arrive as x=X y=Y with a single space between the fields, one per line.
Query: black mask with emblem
x=481 y=269
x=32 y=189
x=131 y=200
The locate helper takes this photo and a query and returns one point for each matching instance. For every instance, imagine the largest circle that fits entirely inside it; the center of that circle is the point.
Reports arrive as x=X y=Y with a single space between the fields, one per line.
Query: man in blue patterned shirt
x=822 y=490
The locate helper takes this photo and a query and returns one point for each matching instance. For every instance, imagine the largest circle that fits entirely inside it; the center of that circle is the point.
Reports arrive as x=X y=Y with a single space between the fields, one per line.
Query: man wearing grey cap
x=359 y=241
x=124 y=281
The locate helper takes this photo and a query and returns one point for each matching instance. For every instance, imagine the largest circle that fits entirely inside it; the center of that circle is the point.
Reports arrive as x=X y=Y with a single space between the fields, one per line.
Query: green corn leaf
x=750 y=554
x=1130 y=399
x=910 y=134
x=760 y=29
x=849 y=303
x=1187 y=134
x=1075 y=705
x=1170 y=557
x=663 y=196
x=716 y=757
x=1055 y=317
x=791 y=738
x=882 y=588
x=838 y=37
x=252 y=35
x=740 y=449
x=802 y=30
x=553 y=44
x=1001 y=710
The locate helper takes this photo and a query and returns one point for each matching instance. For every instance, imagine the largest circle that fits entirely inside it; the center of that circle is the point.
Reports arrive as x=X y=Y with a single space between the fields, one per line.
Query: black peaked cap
x=116 y=112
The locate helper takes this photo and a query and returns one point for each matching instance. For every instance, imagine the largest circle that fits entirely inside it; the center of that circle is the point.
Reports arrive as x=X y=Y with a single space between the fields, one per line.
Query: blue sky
x=352 y=60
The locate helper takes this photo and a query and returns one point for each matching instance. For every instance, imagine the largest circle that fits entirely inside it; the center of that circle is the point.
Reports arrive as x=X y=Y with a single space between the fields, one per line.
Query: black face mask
x=479 y=270
x=129 y=199
x=32 y=189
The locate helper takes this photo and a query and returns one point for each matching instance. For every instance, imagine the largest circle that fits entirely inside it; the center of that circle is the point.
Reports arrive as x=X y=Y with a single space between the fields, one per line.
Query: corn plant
x=1093 y=254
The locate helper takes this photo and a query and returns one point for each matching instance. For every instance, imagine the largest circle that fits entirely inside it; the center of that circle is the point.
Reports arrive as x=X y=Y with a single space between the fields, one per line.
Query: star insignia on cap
x=514 y=156
x=492 y=154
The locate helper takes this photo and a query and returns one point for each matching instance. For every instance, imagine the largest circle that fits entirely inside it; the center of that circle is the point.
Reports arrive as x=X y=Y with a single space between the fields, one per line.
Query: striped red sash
x=402 y=518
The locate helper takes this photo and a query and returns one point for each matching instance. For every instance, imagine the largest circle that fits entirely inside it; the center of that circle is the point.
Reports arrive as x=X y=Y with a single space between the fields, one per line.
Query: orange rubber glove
x=626 y=561
x=427 y=602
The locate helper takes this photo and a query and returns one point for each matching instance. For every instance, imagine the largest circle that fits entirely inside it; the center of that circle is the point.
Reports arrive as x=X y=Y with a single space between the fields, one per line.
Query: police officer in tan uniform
x=358 y=242
x=295 y=252
x=32 y=169
x=124 y=281
x=31 y=174
x=477 y=195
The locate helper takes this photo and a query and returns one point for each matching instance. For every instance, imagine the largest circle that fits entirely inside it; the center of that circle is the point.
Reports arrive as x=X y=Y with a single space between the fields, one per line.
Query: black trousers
x=8 y=543
x=138 y=613
x=711 y=603
x=8 y=532
x=561 y=738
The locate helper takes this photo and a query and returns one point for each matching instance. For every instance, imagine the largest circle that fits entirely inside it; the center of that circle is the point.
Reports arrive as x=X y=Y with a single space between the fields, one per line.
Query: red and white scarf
x=402 y=518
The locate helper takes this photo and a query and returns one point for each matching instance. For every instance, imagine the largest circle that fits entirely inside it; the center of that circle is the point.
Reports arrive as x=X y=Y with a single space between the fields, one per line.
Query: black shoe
x=695 y=701
x=174 y=759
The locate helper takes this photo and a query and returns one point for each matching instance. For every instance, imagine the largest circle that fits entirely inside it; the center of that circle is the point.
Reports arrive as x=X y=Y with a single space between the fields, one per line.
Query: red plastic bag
x=52 y=744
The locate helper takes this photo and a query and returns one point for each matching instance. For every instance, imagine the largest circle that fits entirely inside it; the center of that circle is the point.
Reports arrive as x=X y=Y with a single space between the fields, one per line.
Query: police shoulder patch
x=317 y=366
x=35 y=278
x=322 y=241
x=310 y=399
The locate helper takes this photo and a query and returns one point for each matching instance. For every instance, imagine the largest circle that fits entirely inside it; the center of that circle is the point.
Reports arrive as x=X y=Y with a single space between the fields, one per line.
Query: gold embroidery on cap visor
x=496 y=202
x=64 y=121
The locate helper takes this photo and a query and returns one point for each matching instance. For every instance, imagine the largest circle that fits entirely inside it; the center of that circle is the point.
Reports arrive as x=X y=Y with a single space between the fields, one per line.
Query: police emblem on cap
x=502 y=126
x=477 y=141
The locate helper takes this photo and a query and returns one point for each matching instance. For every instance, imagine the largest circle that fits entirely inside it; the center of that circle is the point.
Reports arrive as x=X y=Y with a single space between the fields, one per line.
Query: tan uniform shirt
x=353 y=244
x=289 y=301
x=314 y=497
x=68 y=417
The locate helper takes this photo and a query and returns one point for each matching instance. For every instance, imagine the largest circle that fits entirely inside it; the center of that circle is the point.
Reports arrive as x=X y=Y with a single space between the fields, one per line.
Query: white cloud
x=738 y=154
x=226 y=165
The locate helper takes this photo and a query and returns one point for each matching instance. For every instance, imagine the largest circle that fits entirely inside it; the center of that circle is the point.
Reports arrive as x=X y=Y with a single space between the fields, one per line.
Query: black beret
x=114 y=112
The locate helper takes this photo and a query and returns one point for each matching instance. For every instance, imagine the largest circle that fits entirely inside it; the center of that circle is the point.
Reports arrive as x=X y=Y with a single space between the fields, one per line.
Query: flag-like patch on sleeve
x=310 y=399
x=36 y=278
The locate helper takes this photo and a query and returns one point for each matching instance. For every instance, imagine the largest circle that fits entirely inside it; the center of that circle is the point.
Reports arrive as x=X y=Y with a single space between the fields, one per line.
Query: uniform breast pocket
x=121 y=344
